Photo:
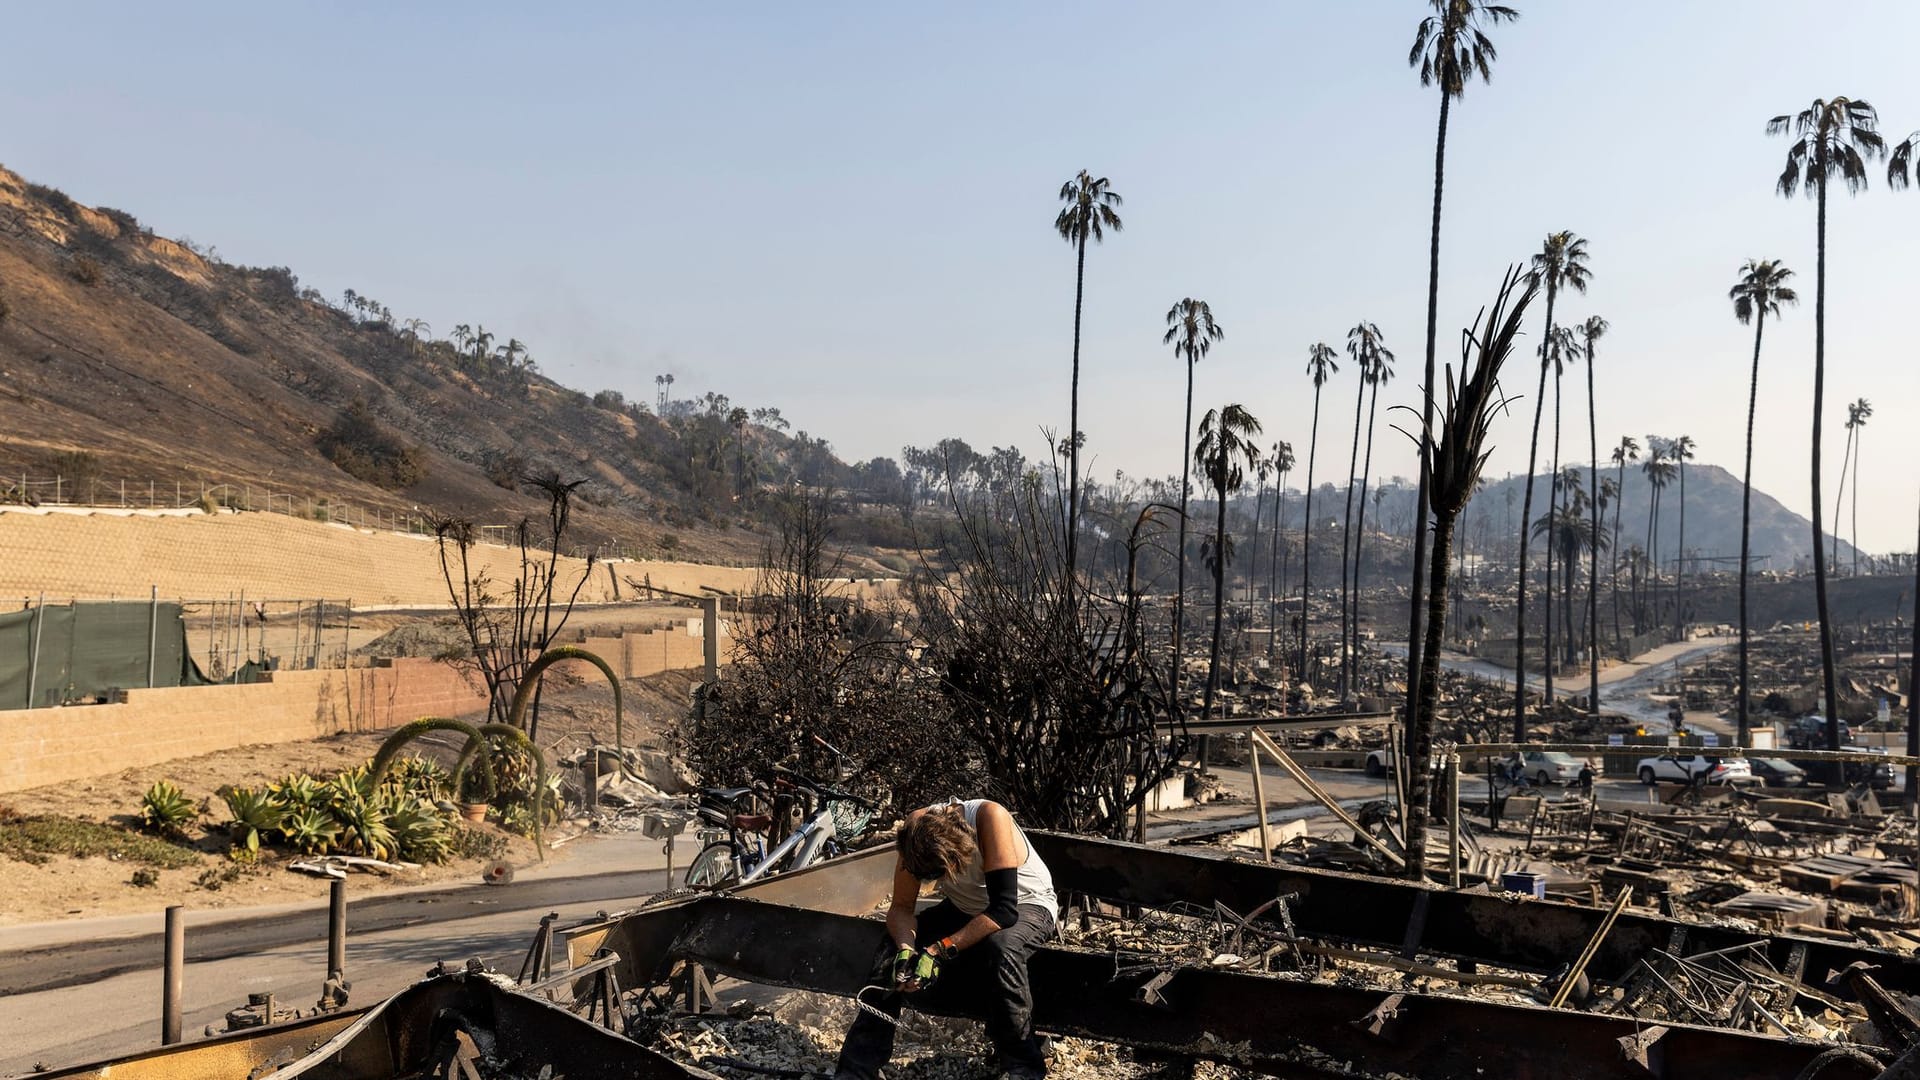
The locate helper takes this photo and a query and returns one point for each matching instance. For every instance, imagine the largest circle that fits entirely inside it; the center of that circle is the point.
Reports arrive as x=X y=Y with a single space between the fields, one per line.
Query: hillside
x=1780 y=537
x=128 y=358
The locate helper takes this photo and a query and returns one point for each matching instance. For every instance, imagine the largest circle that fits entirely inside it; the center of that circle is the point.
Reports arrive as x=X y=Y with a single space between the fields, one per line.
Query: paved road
x=73 y=963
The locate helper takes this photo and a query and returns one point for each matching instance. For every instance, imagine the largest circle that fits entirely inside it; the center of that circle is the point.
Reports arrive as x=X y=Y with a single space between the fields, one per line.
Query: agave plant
x=255 y=813
x=311 y=830
x=418 y=777
x=363 y=816
x=166 y=809
x=298 y=791
x=421 y=831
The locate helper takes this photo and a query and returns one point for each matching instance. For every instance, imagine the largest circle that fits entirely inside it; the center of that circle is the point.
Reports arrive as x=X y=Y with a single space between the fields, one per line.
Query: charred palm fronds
x=1452 y=454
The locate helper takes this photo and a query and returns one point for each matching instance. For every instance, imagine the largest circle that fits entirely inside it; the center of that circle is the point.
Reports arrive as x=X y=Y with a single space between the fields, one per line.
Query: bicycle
x=734 y=845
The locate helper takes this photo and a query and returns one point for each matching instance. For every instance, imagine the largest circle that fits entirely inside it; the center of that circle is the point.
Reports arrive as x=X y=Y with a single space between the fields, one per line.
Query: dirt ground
x=572 y=716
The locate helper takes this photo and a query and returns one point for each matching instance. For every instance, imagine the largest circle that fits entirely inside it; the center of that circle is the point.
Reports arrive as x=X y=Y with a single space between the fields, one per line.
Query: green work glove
x=914 y=970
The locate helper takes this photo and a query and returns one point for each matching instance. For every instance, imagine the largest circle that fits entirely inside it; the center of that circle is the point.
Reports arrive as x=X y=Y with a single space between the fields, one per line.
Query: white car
x=1545 y=767
x=1682 y=769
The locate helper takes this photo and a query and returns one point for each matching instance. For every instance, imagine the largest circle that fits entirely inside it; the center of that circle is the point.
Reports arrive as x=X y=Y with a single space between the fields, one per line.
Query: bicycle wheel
x=716 y=867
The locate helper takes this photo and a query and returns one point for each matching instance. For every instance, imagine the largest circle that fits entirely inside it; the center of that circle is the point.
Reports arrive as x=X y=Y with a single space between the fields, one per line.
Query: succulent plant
x=166 y=809
x=311 y=830
x=255 y=814
x=421 y=831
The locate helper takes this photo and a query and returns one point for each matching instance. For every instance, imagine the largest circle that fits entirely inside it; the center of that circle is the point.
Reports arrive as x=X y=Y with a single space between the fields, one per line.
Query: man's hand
x=914 y=970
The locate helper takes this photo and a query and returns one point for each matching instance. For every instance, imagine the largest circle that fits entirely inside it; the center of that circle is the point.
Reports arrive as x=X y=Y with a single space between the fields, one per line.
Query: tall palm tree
x=1191 y=331
x=1591 y=332
x=1276 y=570
x=1857 y=413
x=1566 y=349
x=1659 y=472
x=1680 y=451
x=1562 y=260
x=1571 y=530
x=1227 y=448
x=1628 y=450
x=1088 y=213
x=1368 y=350
x=1450 y=47
x=1833 y=140
x=1452 y=452
x=1761 y=290
x=1322 y=364
x=1381 y=374
x=1262 y=469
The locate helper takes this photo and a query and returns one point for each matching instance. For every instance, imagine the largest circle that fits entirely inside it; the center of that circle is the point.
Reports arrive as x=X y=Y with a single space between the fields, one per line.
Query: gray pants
x=993 y=972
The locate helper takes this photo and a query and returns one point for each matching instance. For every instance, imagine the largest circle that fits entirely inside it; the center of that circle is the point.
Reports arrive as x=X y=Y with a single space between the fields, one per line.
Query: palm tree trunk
x=1526 y=523
x=1419 y=737
x=1219 y=597
x=1913 y=688
x=1346 y=545
x=1073 y=425
x=1360 y=530
x=1858 y=432
x=1836 y=775
x=1839 y=500
x=1253 y=553
x=1180 y=553
x=1415 y=639
x=1276 y=573
x=1549 y=657
x=1593 y=563
x=1613 y=574
x=1306 y=537
x=1746 y=529
x=1680 y=562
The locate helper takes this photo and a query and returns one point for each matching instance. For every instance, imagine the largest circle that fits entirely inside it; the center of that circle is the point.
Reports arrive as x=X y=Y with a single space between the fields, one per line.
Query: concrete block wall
x=50 y=746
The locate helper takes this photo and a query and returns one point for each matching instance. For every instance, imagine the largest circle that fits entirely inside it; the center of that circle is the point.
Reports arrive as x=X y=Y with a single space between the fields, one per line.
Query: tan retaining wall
x=65 y=552
x=50 y=746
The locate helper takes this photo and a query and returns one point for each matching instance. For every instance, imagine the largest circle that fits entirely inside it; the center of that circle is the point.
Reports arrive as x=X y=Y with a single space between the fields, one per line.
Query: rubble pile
x=798 y=1035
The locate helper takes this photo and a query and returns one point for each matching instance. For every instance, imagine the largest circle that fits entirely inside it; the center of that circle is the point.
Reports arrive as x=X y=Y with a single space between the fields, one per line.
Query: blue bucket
x=1534 y=885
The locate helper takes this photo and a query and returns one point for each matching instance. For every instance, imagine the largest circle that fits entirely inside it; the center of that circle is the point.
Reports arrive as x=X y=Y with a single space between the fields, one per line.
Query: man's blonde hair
x=936 y=844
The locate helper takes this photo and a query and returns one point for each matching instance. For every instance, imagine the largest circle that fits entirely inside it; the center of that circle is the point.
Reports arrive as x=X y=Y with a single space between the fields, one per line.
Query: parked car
x=1380 y=761
x=1810 y=733
x=1878 y=775
x=1777 y=772
x=1545 y=767
x=1685 y=769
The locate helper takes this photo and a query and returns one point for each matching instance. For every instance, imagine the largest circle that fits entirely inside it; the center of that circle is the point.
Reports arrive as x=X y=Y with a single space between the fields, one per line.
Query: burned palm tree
x=1452 y=453
x=1227 y=449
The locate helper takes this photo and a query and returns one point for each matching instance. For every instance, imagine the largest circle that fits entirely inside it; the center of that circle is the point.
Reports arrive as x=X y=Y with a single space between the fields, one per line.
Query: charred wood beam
x=1541 y=935
x=1281 y=1026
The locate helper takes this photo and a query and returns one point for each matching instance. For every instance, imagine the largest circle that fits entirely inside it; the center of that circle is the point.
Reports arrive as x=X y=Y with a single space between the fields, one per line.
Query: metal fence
x=25 y=489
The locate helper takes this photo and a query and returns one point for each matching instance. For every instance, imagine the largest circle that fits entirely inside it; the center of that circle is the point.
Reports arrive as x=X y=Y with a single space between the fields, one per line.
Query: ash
x=798 y=1035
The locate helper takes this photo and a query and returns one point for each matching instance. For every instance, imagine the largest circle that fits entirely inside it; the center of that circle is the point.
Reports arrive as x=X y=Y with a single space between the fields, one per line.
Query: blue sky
x=845 y=210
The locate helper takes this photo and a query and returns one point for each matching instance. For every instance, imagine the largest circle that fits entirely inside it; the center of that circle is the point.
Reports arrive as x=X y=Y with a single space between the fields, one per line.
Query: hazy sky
x=845 y=209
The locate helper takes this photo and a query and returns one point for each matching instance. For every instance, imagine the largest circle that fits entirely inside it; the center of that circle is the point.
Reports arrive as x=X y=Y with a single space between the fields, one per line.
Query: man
x=970 y=949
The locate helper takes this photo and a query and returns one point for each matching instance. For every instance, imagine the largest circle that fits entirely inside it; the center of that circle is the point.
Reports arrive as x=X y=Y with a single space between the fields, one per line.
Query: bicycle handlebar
x=786 y=775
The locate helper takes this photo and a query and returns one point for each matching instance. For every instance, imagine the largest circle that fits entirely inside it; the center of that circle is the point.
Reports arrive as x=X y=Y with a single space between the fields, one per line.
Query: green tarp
x=83 y=651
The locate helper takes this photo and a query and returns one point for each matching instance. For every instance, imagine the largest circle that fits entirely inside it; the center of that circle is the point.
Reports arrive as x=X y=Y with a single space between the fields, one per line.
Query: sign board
x=1616 y=740
x=1709 y=740
x=1673 y=740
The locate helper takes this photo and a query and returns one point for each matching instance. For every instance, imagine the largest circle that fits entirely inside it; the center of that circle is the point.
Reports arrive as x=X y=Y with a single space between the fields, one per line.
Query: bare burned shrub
x=1049 y=677
x=813 y=663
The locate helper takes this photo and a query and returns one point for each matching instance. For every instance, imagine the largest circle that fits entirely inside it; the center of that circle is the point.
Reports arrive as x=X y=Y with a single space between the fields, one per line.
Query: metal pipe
x=33 y=656
x=1259 y=796
x=337 y=929
x=174 y=986
x=153 y=635
x=1314 y=789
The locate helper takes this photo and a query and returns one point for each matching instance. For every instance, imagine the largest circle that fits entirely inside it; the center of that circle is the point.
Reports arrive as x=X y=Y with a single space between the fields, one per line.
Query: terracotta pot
x=474 y=811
